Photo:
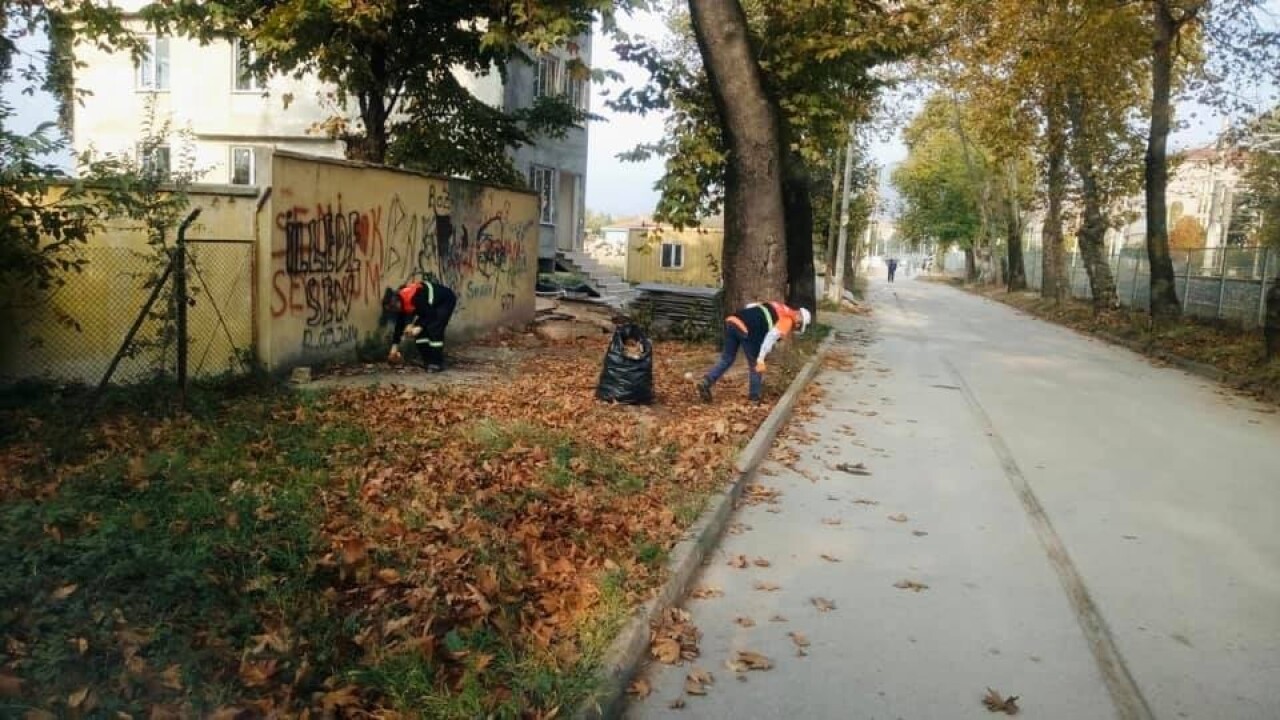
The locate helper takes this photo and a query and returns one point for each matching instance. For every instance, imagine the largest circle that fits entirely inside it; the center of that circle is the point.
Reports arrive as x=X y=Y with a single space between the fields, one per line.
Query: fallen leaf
x=829 y=558
x=864 y=501
x=773 y=510
x=390 y=576
x=898 y=517
x=665 y=650
x=761 y=562
x=911 y=585
x=744 y=621
x=64 y=592
x=823 y=604
x=703 y=593
x=738 y=561
x=35 y=714
x=995 y=703
x=227 y=712
x=799 y=639
x=767 y=586
x=754 y=660
x=831 y=521
x=696 y=682
x=919 y=533
x=677 y=704
x=858 y=469
x=77 y=698
x=172 y=677
x=777 y=618
x=639 y=688
x=345 y=696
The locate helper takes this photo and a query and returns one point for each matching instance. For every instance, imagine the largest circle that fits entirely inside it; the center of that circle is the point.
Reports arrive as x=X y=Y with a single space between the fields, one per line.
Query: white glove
x=413 y=331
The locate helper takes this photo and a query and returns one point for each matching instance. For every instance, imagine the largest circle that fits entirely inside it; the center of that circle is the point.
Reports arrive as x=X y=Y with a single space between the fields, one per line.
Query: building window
x=543 y=181
x=579 y=93
x=550 y=80
x=672 y=256
x=154 y=160
x=245 y=56
x=153 y=70
x=242 y=170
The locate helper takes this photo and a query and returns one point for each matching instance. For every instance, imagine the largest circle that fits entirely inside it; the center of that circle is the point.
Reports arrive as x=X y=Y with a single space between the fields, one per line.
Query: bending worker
x=755 y=328
x=421 y=310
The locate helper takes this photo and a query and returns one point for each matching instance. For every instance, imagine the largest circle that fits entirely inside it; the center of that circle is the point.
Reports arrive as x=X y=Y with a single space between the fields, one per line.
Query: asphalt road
x=1098 y=536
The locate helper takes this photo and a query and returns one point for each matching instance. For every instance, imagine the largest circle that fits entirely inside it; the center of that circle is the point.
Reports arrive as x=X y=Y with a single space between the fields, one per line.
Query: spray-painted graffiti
x=333 y=255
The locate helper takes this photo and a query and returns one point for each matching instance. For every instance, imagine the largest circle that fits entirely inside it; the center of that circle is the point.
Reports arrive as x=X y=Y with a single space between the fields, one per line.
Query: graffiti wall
x=340 y=233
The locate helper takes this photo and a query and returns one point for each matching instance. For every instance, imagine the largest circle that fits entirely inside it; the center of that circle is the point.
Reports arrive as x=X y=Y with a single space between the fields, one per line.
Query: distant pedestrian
x=755 y=328
x=421 y=310
x=893 y=268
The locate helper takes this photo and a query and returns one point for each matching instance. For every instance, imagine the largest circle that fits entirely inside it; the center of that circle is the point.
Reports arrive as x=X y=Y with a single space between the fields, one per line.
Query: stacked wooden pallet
x=680 y=310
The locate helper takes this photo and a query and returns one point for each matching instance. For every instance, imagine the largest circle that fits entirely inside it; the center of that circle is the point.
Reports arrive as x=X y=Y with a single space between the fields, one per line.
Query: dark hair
x=390 y=307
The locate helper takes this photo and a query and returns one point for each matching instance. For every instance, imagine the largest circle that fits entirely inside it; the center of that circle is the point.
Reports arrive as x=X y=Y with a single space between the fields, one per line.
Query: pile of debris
x=563 y=318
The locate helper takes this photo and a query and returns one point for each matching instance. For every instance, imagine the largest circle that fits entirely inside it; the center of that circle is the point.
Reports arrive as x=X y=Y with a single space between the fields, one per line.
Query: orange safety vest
x=408 y=291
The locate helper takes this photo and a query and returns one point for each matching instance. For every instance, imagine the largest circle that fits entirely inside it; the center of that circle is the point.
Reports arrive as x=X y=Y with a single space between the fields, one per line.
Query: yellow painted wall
x=702 y=251
x=107 y=295
x=340 y=233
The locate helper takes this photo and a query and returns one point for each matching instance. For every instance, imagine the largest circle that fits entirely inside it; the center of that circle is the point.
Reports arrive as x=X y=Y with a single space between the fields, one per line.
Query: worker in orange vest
x=421 y=310
x=755 y=328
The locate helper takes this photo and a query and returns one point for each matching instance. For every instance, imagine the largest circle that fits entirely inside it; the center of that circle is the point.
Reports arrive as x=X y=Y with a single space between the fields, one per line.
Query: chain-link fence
x=1217 y=283
x=73 y=333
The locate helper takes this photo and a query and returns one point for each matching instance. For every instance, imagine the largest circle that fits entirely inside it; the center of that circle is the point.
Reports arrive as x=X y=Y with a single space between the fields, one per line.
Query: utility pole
x=835 y=292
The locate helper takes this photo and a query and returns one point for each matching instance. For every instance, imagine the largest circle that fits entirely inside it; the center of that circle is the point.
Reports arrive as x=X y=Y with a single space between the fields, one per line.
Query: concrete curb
x=628 y=650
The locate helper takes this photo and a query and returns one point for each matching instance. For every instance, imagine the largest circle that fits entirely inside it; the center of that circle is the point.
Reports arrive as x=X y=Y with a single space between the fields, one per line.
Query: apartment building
x=221 y=118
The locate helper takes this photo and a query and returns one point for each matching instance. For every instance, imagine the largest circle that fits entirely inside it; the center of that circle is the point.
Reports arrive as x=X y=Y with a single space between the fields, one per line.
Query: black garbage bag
x=627 y=376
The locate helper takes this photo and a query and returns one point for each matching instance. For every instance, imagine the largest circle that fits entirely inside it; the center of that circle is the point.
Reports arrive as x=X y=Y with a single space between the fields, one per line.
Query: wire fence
x=72 y=334
x=1228 y=283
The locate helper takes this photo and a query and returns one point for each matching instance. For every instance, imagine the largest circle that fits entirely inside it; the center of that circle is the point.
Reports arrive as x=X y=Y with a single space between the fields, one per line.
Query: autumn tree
x=816 y=60
x=1214 y=49
x=393 y=67
x=1187 y=234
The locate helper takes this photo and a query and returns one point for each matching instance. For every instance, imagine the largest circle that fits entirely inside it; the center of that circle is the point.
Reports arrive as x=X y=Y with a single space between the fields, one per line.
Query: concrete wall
x=702 y=252
x=339 y=233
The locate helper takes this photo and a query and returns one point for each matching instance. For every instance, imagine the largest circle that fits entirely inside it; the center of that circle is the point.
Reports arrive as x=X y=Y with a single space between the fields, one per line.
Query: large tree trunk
x=970 y=265
x=802 y=289
x=1093 y=230
x=755 y=253
x=1053 y=284
x=1164 y=292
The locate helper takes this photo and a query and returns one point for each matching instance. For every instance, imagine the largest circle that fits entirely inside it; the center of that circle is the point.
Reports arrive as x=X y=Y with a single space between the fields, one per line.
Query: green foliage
x=393 y=64
x=818 y=60
x=941 y=195
x=1261 y=198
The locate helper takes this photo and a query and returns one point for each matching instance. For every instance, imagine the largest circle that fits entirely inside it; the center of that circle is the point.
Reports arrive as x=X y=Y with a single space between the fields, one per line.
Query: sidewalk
x=993 y=614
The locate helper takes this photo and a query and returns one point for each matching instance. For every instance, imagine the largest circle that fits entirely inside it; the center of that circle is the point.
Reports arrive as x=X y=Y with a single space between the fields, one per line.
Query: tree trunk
x=831 y=227
x=1093 y=230
x=970 y=265
x=1164 y=292
x=1014 y=238
x=1053 y=285
x=802 y=289
x=755 y=253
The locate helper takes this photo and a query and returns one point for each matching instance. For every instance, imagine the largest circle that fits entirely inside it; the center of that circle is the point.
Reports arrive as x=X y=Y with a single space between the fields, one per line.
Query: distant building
x=228 y=116
x=665 y=256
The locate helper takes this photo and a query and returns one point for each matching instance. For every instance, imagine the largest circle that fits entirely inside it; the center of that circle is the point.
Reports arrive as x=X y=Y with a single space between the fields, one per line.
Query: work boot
x=704 y=390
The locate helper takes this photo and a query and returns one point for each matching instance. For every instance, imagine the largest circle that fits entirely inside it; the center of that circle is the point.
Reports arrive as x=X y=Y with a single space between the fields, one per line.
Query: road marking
x=1125 y=694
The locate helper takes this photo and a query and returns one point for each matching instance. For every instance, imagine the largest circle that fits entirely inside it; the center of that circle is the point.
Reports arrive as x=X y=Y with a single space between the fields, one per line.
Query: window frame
x=253 y=170
x=257 y=84
x=554 y=65
x=145 y=162
x=677 y=255
x=543 y=180
x=147 y=73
